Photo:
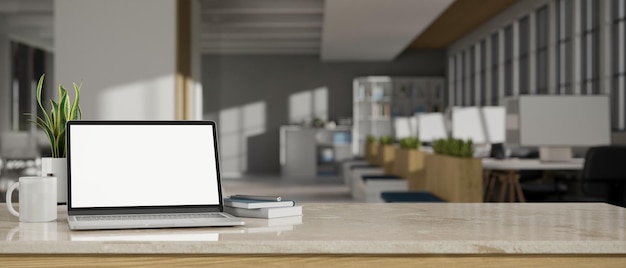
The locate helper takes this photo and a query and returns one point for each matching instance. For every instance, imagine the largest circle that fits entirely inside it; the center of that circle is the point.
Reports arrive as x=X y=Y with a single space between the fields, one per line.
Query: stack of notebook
x=261 y=207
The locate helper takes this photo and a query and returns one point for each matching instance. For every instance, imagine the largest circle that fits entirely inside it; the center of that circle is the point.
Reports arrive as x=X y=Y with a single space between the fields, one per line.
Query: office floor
x=320 y=189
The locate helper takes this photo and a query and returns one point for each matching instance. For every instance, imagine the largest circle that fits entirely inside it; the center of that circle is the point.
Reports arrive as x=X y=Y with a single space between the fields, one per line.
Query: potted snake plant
x=453 y=173
x=386 y=153
x=371 y=149
x=53 y=124
x=409 y=163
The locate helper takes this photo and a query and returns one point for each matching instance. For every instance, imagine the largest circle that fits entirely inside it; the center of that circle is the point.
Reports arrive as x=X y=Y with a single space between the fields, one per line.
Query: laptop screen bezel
x=139 y=209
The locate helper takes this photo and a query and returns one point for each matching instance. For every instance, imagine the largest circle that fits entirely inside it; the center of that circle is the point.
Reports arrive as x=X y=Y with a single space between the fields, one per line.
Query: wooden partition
x=454 y=179
x=409 y=164
x=386 y=157
x=371 y=153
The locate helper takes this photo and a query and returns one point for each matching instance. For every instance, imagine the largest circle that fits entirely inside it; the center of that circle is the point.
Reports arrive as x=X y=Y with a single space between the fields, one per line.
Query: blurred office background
x=255 y=66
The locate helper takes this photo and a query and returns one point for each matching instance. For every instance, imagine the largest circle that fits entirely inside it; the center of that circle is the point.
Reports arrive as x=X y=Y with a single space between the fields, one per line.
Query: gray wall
x=5 y=74
x=236 y=80
x=123 y=51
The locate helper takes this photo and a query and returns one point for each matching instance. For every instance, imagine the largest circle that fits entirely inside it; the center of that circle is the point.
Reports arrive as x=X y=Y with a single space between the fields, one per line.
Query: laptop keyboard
x=140 y=217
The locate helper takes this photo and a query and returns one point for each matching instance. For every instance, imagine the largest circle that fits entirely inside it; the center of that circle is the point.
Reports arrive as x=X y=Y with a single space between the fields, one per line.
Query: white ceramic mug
x=38 y=199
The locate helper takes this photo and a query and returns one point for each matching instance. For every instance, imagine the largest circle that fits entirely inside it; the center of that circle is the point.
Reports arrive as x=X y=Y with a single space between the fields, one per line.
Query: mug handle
x=9 y=197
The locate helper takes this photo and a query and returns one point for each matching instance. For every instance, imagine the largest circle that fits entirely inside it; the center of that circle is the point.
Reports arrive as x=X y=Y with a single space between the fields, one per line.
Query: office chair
x=538 y=185
x=604 y=175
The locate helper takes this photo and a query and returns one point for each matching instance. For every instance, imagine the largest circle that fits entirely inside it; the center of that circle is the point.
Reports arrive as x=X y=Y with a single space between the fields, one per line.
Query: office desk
x=354 y=234
x=301 y=150
x=508 y=171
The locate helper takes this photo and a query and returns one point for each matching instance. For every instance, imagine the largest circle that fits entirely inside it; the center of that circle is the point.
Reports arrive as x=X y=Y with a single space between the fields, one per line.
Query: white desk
x=507 y=170
x=333 y=235
x=525 y=164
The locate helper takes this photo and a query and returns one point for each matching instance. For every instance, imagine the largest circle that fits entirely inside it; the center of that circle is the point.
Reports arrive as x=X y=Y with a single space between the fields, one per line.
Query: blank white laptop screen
x=143 y=165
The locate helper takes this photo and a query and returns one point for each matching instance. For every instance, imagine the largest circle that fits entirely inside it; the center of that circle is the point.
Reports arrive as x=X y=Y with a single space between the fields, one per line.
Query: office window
x=470 y=92
x=564 y=46
x=618 y=113
x=523 y=55
x=541 y=40
x=508 y=61
x=28 y=64
x=483 y=72
x=459 y=79
x=451 y=81
x=590 y=51
x=495 y=53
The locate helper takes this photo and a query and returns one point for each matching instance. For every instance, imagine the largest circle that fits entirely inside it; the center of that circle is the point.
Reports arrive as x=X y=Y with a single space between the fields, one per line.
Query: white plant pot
x=58 y=168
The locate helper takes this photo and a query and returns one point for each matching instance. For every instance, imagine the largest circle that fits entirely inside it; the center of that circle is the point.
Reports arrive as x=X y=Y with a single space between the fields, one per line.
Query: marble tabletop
x=354 y=228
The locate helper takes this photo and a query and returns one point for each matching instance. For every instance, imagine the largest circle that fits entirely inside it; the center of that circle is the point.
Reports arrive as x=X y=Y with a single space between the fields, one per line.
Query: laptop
x=144 y=174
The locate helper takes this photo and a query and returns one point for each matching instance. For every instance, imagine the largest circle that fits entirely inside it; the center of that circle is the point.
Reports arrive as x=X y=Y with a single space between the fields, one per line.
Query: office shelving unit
x=378 y=99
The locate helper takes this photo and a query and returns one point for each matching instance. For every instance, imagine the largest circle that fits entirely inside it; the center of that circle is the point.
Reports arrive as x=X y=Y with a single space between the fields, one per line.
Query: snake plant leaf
x=53 y=115
x=62 y=112
x=75 y=110
x=41 y=124
x=61 y=142
x=53 y=123
x=39 y=88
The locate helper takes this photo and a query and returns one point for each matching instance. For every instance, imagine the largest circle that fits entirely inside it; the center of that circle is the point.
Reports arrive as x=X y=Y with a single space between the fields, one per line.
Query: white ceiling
x=29 y=21
x=261 y=26
x=375 y=30
x=336 y=30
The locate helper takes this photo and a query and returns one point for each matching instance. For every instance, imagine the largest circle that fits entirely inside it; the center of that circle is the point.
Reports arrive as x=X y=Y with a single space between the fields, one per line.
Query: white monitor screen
x=402 y=127
x=467 y=123
x=559 y=120
x=494 y=121
x=414 y=124
x=480 y=124
x=142 y=165
x=431 y=126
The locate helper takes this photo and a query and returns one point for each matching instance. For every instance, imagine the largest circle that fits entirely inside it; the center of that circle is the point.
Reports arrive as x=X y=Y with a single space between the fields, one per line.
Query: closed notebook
x=247 y=203
x=277 y=225
x=266 y=213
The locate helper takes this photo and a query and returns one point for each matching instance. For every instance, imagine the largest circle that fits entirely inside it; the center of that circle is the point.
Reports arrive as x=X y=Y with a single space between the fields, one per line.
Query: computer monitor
x=467 y=123
x=405 y=127
x=431 y=126
x=557 y=123
x=494 y=121
x=483 y=125
x=402 y=127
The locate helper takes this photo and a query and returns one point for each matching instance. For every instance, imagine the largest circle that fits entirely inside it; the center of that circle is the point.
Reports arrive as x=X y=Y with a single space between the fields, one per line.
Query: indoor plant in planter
x=409 y=163
x=53 y=125
x=386 y=153
x=371 y=150
x=452 y=173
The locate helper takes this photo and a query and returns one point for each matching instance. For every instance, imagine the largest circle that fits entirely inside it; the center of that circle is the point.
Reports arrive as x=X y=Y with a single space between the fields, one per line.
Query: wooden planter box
x=386 y=156
x=371 y=153
x=454 y=179
x=409 y=164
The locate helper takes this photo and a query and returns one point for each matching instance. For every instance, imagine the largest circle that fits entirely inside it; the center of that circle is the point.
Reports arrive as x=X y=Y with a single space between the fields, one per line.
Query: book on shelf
x=266 y=213
x=250 y=203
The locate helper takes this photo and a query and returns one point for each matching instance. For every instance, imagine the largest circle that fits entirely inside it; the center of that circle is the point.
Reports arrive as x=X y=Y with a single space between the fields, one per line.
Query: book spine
x=265 y=213
x=249 y=213
x=251 y=205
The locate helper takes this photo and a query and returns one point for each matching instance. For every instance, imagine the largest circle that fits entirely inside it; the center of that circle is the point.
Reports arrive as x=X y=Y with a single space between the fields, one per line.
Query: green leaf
x=75 y=110
x=53 y=123
x=39 y=89
x=63 y=109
